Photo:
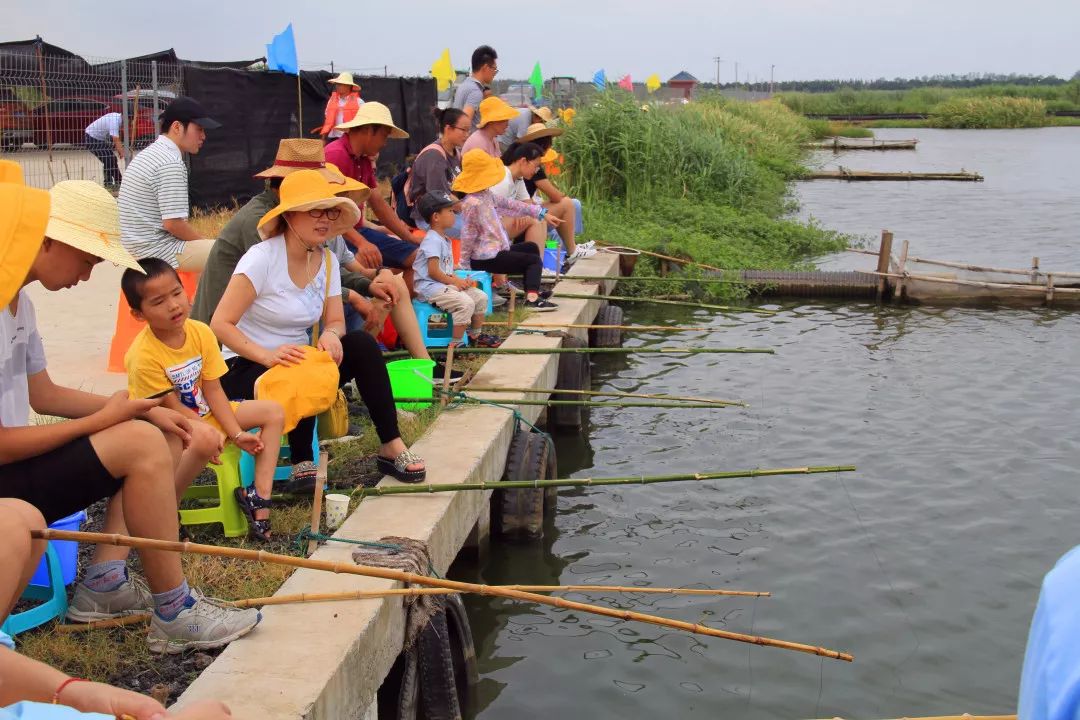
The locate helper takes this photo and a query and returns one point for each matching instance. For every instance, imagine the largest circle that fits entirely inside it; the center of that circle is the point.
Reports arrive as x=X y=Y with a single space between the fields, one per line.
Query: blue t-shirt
x=433 y=246
x=1050 y=684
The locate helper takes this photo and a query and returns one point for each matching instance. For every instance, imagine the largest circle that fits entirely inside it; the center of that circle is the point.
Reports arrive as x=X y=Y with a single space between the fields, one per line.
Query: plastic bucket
x=411 y=378
x=553 y=258
x=66 y=550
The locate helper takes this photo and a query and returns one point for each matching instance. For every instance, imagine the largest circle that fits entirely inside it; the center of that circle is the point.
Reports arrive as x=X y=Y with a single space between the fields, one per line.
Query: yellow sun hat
x=494 y=109
x=374 y=113
x=85 y=215
x=355 y=190
x=11 y=172
x=479 y=171
x=24 y=213
x=303 y=390
x=308 y=190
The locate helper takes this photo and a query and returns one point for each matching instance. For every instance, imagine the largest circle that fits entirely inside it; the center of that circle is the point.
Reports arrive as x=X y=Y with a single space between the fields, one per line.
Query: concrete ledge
x=327 y=660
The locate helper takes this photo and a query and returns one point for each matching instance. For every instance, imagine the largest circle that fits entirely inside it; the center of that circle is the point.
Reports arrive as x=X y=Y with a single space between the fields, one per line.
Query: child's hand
x=553 y=221
x=249 y=443
x=460 y=283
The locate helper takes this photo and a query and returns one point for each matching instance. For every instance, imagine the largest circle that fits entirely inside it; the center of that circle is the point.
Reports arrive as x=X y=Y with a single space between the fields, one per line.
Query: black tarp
x=257 y=109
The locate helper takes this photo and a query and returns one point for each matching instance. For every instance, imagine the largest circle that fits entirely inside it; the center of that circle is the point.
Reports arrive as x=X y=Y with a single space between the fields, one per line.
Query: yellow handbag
x=334 y=421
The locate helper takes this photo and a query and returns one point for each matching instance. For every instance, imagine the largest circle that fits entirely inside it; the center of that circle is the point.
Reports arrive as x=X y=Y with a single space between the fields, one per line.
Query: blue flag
x=281 y=53
x=600 y=80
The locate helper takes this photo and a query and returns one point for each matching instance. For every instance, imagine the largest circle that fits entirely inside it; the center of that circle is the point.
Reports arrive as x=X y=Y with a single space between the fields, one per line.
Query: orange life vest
x=352 y=104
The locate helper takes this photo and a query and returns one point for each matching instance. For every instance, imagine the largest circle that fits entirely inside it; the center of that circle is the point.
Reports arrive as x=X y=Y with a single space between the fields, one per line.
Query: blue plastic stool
x=483 y=279
x=282 y=472
x=436 y=337
x=54 y=595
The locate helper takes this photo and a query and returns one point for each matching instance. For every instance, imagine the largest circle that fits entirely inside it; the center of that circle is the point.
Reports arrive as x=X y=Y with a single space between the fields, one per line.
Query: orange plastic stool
x=455 y=248
x=127 y=327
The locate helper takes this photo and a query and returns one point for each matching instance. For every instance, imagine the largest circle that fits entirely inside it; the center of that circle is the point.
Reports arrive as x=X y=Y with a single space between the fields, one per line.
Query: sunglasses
x=330 y=213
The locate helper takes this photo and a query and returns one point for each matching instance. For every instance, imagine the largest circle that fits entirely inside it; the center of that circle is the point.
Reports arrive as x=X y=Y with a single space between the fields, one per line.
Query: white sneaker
x=131 y=598
x=581 y=251
x=588 y=244
x=206 y=625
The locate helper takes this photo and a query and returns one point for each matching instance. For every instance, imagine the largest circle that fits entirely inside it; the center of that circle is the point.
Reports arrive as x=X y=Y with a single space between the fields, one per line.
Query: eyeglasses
x=494 y=68
x=462 y=129
x=330 y=213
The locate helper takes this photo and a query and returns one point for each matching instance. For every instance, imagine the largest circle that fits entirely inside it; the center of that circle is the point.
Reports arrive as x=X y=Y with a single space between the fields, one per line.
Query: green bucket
x=411 y=379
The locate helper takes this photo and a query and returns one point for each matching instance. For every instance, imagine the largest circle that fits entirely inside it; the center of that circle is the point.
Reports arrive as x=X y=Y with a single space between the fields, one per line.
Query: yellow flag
x=443 y=71
x=652 y=84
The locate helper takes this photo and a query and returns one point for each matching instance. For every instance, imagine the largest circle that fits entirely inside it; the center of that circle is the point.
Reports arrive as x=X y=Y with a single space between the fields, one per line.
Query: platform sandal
x=398 y=467
x=249 y=501
x=302 y=478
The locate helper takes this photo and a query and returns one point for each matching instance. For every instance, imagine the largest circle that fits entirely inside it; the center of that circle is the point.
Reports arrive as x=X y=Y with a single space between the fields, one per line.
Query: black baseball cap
x=433 y=202
x=186 y=110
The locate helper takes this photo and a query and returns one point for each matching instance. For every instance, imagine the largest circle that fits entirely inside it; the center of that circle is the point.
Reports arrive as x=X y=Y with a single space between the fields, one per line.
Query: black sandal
x=250 y=501
x=398 y=467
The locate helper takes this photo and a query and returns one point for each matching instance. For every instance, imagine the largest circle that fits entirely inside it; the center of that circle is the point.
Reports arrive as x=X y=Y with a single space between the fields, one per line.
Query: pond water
x=925 y=563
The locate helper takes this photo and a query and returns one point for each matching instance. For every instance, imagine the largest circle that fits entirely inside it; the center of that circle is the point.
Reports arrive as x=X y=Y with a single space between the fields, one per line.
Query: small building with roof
x=684 y=81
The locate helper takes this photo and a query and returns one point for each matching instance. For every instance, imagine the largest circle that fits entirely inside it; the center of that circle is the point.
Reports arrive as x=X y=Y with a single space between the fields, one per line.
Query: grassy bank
x=707 y=181
x=923 y=100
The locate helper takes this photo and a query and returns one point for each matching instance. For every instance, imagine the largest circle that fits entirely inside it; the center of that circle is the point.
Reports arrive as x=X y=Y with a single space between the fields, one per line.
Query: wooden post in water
x=900 y=270
x=884 y=254
x=1034 y=270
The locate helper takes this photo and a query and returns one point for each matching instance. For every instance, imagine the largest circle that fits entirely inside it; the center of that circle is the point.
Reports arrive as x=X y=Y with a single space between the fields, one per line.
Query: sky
x=803 y=39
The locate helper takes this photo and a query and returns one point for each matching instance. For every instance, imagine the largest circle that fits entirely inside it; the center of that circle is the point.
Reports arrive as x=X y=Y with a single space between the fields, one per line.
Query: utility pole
x=772 y=69
x=736 y=73
x=717 y=60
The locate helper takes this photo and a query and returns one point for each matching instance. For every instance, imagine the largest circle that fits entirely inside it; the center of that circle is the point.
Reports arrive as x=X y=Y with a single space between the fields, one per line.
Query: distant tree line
x=949 y=81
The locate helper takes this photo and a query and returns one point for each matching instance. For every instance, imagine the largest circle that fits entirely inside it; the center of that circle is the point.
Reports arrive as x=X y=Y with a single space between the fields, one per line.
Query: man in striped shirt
x=154 y=191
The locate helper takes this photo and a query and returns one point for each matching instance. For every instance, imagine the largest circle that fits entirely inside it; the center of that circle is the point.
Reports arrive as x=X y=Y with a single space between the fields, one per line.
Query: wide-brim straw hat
x=494 y=109
x=84 y=215
x=374 y=113
x=308 y=190
x=300 y=154
x=24 y=213
x=344 y=78
x=537 y=131
x=355 y=190
x=544 y=113
x=479 y=171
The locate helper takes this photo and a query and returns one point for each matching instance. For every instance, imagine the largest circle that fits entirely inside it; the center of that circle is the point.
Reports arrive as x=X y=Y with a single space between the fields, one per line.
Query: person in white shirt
x=103 y=142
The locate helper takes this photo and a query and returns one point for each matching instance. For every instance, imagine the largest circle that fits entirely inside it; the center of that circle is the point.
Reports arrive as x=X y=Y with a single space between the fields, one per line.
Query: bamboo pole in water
x=656 y=301
x=528 y=325
x=650 y=253
x=407 y=577
x=608 y=393
x=458 y=397
x=422 y=489
x=586 y=351
x=669 y=279
x=1034 y=289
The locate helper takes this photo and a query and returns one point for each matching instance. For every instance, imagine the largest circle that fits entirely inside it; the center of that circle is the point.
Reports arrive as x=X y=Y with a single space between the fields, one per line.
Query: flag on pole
x=537 y=80
x=443 y=71
x=599 y=80
x=626 y=83
x=652 y=84
x=281 y=53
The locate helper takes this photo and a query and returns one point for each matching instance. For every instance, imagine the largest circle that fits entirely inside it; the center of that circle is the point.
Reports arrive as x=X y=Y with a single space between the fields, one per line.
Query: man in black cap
x=154 y=191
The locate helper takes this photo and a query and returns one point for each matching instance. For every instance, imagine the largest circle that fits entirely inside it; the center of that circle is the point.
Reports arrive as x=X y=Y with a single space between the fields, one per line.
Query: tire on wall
x=575 y=373
x=518 y=513
x=607 y=337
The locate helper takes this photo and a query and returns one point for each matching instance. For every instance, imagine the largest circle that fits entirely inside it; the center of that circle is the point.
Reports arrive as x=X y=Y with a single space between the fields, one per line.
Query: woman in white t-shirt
x=277 y=292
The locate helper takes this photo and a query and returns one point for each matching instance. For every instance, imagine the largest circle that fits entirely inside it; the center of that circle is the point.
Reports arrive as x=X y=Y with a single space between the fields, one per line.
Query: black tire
x=575 y=373
x=438 y=685
x=463 y=652
x=518 y=513
x=607 y=337
x=544 y=466
x=399 y=695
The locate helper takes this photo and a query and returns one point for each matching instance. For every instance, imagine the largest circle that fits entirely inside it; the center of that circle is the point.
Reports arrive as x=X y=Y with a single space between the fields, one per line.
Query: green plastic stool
x=227 y=511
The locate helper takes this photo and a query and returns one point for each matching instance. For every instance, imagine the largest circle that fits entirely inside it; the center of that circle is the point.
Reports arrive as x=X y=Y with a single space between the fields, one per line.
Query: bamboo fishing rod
x=409 y=592
x=608 y=393
x=655 y=301
x=408 y=577
x=586 y=351
x=526 y=325
x=661 y=278
x=380 y=490
x=459 y=397
x=650 y=253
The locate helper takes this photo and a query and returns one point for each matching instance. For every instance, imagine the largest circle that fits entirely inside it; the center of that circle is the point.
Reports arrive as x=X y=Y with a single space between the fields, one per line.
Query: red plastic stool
x=127 y=327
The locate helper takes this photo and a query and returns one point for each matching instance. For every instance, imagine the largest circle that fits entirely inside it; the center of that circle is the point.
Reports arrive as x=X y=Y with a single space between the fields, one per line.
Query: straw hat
x=374 y=113
x=11 y=172
x=544 y=113
x=535 y=132
x=308 y=190
x=24 y=212
x=494 y=109
x=479 y=171
x=295 y=154
x=344 y=78
x=84 y=215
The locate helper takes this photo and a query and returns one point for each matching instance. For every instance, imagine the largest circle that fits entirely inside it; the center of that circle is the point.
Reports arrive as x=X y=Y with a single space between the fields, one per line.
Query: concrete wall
x=326 y=661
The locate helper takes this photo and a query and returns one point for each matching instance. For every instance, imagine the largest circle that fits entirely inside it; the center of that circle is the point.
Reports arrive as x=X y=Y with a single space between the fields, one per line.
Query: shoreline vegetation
x=709 y=180
x=985 y=106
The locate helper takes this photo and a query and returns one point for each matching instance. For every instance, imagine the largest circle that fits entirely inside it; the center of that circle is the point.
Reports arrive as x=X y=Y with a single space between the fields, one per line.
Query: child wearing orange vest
x=342 y=105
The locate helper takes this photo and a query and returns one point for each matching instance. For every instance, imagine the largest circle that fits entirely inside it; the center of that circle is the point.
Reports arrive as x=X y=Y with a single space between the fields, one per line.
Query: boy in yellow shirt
x=179 y=357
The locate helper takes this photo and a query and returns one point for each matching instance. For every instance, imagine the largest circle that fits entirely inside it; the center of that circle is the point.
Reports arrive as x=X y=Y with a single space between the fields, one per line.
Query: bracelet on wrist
x=61 y=686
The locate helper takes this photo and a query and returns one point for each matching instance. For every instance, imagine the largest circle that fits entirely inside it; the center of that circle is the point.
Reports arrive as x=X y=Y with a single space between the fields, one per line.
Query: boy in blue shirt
x=434 y=279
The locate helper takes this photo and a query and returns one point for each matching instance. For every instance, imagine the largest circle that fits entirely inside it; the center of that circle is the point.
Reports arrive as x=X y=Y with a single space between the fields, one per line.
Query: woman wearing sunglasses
x=277 y=293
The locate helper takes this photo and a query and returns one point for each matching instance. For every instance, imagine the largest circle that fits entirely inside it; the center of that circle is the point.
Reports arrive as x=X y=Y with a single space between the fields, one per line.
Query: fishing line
x=881 y=568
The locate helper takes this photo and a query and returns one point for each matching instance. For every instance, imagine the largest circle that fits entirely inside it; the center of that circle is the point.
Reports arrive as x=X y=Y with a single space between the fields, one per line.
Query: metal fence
x=48 y=100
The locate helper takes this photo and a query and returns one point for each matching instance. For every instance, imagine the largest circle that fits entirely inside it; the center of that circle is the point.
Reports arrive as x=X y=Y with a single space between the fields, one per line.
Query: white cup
x=337 y=507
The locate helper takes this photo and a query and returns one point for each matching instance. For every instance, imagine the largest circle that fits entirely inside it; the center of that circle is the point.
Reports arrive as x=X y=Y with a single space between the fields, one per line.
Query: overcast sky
x=804 y=39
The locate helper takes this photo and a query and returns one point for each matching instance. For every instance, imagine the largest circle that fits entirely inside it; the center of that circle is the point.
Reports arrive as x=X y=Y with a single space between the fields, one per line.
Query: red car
x=63 y=121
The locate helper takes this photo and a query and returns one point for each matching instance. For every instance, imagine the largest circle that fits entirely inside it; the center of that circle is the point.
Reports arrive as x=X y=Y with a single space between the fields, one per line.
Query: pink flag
x=626 y=83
